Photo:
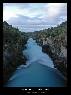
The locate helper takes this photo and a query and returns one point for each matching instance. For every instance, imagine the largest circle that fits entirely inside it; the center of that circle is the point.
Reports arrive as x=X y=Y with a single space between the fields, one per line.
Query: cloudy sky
x=29 y=17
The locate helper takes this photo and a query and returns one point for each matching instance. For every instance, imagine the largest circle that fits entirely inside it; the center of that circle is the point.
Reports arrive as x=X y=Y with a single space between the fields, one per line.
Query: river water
x=39 y=71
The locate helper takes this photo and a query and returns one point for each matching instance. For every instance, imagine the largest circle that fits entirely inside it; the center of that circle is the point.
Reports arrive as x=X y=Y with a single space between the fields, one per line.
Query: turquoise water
x=39 y=71
x=36 y=75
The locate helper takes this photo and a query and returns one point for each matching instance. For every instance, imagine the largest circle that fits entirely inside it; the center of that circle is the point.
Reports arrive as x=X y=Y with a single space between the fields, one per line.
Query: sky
x=29 y=17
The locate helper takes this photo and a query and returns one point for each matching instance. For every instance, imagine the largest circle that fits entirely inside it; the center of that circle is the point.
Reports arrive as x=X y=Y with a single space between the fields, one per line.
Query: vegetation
x=13 y=44
x=53 y=41
x=55 y=44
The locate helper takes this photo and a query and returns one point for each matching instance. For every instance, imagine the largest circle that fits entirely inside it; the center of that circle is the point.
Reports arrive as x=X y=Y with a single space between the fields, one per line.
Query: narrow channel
x=39 y=70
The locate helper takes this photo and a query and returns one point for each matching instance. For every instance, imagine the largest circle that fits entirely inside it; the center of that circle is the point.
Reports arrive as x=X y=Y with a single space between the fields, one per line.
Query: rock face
x=7 y=57
x=13 y=44
x=60 y=62
x=46 y=41
x=64 y=51
x=56 y=47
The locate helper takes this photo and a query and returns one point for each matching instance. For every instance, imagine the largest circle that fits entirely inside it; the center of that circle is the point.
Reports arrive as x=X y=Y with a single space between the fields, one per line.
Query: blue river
x=39 y=71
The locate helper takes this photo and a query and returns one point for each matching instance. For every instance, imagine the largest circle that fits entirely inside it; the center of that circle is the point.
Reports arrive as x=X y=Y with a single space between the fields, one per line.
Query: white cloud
x=62 y=18
x=54 y=9
x=9 y=12
x=51 y=10
x=46 y=14
x=14 y=11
